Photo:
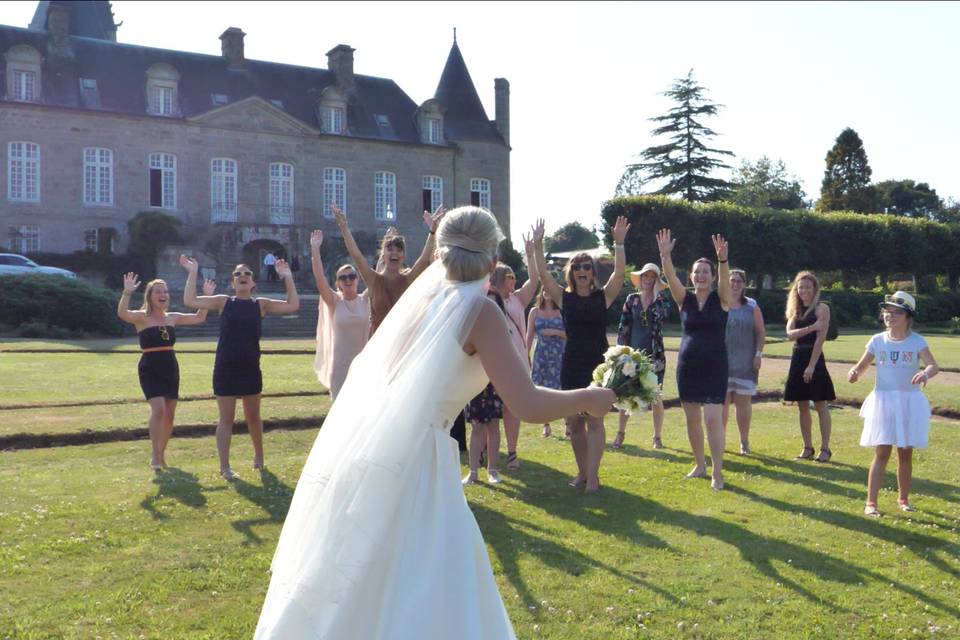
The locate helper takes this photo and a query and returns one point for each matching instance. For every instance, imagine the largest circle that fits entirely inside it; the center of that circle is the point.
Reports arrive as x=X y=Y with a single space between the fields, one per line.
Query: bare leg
x=478 y=434
x=806 y=425
x=744 y=406
x=877 y=467
x=657 y=424
x=251 y=412
x=492 y=430
x=155 y=427
x=826 y=427
x=691 y=411
x=726 y=408
x=596 y=442
x=511 y=427
x=170 y=410
x=227 y=407
x=713 y=416
x=904 y=472
x=576 y=425
x=622 y=431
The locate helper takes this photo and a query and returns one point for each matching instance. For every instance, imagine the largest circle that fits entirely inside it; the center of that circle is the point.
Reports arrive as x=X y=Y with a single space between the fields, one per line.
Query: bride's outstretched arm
x=490 y=340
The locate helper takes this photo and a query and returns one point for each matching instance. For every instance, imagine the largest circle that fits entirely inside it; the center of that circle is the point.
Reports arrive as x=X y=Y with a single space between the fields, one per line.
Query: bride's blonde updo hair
x=467 y=243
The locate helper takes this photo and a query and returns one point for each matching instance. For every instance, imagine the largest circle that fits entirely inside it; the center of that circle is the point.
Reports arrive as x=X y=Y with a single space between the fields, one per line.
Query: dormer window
x=219 y=98
x=23 y=74
x=430 y=122
x=332 y=111
x=162 y=81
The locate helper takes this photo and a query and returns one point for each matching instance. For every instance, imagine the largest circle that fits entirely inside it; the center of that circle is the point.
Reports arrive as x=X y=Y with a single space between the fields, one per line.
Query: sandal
x=546 y=431
x=470 y=478
x=493 y=477
x=905 y=506
x=820 y=458
x=512 y=462
x=871 y=510
x=228 y=474
x=618 y=441
x=657 y=443
x=806 y=454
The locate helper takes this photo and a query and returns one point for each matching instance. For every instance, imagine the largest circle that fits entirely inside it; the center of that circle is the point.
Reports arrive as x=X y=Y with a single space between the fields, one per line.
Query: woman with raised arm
x=584 y=307
x=379 y=541
x=808 y=379
x=746 y=336
x=343 y=321
x=515 y=303
x=387 y=285
x=236 y=369
x=702 y=361
x=158 y=369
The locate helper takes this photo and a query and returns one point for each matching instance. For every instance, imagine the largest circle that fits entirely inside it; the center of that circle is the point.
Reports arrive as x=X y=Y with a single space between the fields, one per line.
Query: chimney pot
x=231 y=46
x=340 y=62
x=501 y=89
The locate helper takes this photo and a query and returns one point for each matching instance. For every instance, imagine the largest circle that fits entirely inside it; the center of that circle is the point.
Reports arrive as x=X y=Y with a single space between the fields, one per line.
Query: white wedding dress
x=379 y=542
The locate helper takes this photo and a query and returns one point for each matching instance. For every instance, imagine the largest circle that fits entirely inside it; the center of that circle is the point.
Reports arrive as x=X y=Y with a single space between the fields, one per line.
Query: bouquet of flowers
x=630 y=374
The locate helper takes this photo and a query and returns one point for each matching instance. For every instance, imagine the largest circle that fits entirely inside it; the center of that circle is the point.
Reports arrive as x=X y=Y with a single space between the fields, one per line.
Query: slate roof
x=88 y=18
x=120 y=71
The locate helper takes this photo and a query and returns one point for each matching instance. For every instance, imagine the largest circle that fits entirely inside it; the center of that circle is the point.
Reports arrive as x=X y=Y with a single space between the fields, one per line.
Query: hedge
x=781 y=243
x=54 y=301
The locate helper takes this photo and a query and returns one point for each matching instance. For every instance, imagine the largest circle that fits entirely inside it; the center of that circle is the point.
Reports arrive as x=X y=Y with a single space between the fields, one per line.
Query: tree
x=150 y=233
x=512 y=258
x=766 y=184
x=570 y=236
x=685 y=162
x=846 y=181
x=908 y=198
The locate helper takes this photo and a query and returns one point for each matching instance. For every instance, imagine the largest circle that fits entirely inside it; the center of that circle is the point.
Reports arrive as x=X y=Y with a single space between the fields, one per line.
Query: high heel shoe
x=806 y=454
x=820 y=458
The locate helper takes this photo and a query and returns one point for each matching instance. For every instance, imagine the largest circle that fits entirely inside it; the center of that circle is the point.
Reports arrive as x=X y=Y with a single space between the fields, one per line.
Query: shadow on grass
x=272 y=495
x=177 y=484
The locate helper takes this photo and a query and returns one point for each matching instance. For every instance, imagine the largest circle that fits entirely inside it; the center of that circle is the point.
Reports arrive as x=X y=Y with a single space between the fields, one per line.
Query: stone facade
x=254 y=131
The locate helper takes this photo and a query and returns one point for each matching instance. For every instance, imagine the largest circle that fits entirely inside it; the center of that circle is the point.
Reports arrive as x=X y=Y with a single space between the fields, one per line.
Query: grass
x=93 y=544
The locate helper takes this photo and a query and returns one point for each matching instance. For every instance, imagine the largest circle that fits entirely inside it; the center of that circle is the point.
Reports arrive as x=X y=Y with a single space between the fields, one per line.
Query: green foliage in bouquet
x=630 y=374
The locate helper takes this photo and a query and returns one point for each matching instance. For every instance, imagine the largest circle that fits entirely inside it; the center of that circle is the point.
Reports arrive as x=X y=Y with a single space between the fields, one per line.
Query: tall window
x=432 y=192
x=90 y=240
x=24 y=86
x=23 y=172
x=162 y=82
x=281 y=193
x=163 y=180
x=433 y=130
x=334 y=190
x=333 y=120
x=480 y=192
x=384 y=195
x=24 y=238
x=161 y=101
x=223 y=190
x=97 y=176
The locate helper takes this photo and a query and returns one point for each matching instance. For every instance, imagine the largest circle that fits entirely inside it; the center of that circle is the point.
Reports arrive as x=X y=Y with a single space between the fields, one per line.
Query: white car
x=12 y=264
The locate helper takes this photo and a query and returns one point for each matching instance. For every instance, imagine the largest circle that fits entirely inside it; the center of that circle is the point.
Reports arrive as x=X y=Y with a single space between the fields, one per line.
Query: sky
x=586 y=77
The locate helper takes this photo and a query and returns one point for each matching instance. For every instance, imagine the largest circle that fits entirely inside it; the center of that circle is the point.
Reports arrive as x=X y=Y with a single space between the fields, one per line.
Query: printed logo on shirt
x=907 y=357
x=894 y=356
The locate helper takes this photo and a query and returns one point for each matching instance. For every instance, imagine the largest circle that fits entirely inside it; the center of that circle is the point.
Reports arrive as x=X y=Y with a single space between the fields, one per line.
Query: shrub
x=53 y=301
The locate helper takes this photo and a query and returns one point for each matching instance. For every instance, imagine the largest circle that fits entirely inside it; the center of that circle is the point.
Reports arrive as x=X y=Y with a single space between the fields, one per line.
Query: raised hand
x=209 y=287
x=665 y=242
x=283 y=269
x=316 y=238
x=720 y=245
x=433 y=220
x=538 y=230
x=189 y=264
x=620 y=228
x=528 y=246
x=340 y=216
x=130 y=282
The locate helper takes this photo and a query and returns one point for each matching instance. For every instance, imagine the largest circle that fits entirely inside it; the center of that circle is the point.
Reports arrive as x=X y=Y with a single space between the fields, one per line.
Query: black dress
x=820 y=386
x=159 y=371
x=702 y=362
x=585 y=319
x=236 y=370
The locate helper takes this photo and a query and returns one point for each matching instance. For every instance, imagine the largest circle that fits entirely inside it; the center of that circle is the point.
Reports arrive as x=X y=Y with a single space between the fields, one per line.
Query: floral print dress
x=651 y=319
x=548 y=355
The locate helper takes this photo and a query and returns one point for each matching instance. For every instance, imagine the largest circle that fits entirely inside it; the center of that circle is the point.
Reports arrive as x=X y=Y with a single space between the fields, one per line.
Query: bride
x=379 y=542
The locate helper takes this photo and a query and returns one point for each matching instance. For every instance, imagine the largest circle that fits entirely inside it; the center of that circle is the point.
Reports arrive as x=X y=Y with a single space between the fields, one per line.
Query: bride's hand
x=598 y=400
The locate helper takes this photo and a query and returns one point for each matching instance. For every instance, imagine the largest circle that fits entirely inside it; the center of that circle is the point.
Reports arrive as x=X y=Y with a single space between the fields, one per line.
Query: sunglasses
x=164 y=334
x=240 y=274
x=586 y=266
x=896 y=300
x=347 y=276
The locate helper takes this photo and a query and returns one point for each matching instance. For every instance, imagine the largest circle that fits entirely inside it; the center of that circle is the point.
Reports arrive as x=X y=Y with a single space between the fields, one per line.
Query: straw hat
x=901 y=300
x=635 y=275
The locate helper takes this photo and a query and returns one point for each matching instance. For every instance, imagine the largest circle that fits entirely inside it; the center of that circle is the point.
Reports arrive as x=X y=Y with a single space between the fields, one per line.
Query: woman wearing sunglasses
x=158 y=369
x=584 y=305
x=387 y=283
x=343 y=320
x=236 y=369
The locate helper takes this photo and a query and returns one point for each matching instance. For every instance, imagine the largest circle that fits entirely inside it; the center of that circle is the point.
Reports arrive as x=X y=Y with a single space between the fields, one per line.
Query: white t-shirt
x=897 y=361
x=269 y=260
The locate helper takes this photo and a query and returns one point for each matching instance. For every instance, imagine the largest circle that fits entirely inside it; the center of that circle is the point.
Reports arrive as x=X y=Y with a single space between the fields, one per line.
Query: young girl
x=158 y=368
x=896 y=412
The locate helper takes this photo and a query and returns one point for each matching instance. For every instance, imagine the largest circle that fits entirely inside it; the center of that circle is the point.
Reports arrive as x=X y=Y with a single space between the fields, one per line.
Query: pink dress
x=341 y=334
x=516 y=321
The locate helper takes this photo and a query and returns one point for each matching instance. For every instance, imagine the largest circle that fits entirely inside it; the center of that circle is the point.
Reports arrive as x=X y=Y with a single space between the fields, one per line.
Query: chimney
x=501 y=89
x=340 y=61
x=231 y=46
x=58 y=28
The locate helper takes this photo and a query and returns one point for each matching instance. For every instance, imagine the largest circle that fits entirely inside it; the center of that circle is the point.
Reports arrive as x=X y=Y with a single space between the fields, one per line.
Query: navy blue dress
x=585 y=319
x=158 y=370
x=236 y=370
x=702 y=363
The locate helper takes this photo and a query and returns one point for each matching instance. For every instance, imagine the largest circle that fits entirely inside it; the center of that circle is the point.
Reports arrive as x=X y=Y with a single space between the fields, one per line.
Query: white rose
x=650 y=380
x=629 y=368
x=612 y=352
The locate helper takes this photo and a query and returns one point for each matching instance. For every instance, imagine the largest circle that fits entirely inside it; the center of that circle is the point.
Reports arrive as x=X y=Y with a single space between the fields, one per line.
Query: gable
x=253 y=115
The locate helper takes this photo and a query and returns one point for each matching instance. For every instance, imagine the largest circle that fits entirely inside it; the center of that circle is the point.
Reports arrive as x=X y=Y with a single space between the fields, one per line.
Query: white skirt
x=900 y=418
x=741 y=387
